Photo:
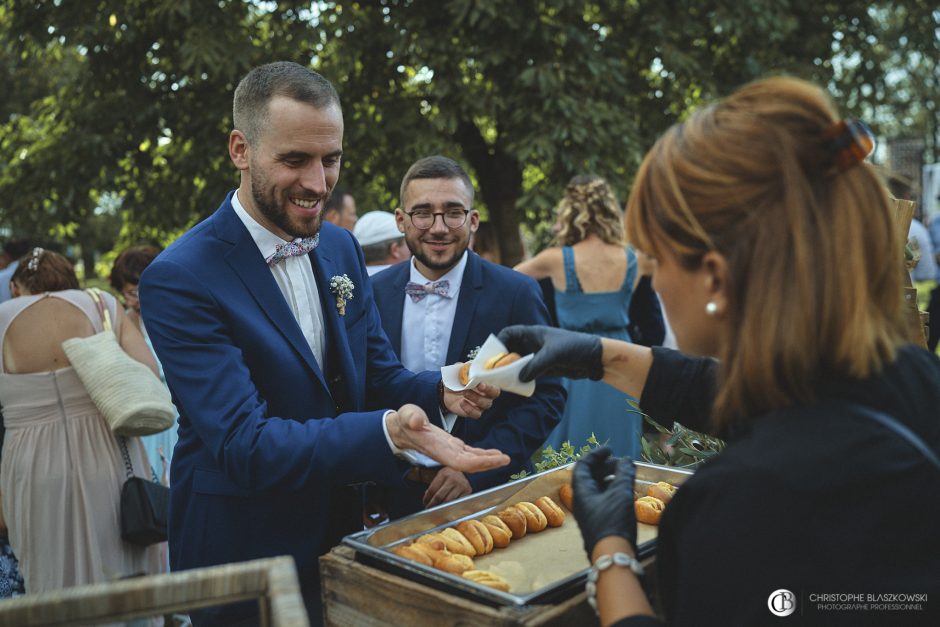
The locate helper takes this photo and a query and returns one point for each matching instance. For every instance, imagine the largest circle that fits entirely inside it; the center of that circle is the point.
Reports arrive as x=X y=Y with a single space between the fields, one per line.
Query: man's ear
x=400 y=220
x=474 y=220
x=715 y=270
x=238 y=149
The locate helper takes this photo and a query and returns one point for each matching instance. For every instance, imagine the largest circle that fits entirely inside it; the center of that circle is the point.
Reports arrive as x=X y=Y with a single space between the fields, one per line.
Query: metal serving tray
x=372 y=545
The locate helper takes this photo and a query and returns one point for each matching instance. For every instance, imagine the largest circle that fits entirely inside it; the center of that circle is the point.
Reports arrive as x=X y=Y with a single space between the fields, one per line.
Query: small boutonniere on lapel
x=342 y=286
x=473 y=354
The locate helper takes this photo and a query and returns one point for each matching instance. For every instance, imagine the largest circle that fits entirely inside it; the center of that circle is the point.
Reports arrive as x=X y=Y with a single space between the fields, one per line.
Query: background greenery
x=114 y=115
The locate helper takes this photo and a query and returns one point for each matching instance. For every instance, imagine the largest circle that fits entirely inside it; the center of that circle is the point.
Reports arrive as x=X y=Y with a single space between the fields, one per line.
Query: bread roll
x=464 y=374
x=535 y=520
x=498 y=530
x=416 y=555
x=662 y=490
x=515 y=520
x=454 y=563
x=648 y=510
x=486 y=578
x=478 y=535
x=427 y=550
x=457 y=543
x=433 y=540
x=566 y=494
x=554 y=514
x=500 y=359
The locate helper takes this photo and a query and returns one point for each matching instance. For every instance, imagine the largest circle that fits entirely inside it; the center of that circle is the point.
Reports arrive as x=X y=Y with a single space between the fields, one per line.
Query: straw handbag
x=126 y=392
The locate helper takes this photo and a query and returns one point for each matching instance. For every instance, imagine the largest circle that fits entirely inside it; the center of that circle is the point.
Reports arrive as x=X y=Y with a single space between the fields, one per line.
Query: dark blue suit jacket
x=265 y=436
x=491 y=297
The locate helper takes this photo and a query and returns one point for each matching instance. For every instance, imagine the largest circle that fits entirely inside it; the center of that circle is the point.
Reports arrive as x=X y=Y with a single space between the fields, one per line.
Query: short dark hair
x=376 y=253
x=42 y=270
x=130 y=264
x=435 y=167
x=282 y=78
x=335 y=201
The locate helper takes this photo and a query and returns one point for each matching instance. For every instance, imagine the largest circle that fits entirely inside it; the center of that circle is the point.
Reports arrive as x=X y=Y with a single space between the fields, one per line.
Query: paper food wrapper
x=505 y=378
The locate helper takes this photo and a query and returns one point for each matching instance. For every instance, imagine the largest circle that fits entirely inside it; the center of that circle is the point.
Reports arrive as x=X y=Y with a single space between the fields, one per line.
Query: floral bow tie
x=300 y=246
x=418 y=291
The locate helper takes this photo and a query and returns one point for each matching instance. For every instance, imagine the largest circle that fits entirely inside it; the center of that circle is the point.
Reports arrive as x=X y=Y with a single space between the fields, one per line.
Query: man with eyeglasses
x=444 y=303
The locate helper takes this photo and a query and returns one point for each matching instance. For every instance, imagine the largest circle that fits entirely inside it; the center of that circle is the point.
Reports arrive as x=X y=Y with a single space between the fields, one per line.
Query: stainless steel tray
x=372 y=545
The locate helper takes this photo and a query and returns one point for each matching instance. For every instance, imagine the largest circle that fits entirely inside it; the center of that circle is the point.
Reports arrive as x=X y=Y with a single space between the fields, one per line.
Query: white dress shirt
x=294 y=277
x=426 y=325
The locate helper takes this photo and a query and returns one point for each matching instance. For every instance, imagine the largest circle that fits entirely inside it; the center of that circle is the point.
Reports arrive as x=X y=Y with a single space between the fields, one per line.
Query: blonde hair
x=589 y=206
x=814 y=259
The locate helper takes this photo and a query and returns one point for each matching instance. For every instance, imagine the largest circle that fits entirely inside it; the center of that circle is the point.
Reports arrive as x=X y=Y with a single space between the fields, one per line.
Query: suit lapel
x=393 y=311
x=471 y=289
x=324 y=269
x=246 y=261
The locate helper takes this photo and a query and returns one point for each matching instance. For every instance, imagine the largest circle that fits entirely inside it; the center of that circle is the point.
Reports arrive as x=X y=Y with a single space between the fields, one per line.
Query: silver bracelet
x=601 y=564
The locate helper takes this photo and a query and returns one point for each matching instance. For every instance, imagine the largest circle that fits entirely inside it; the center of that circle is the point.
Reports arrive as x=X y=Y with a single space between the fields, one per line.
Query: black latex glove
x=558 y=352
x=604 y=508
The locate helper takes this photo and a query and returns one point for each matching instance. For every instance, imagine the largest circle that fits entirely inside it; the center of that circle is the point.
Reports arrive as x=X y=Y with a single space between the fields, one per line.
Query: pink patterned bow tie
x=300 y=246
x=418 y=291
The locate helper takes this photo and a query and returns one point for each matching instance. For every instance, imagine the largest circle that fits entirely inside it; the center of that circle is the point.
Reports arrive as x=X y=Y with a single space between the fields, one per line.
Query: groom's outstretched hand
x=470 y=403
x=409 y=428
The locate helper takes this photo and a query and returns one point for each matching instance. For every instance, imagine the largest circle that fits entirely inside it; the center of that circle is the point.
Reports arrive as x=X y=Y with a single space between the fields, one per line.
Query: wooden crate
x=356 y=594
x=273 y=582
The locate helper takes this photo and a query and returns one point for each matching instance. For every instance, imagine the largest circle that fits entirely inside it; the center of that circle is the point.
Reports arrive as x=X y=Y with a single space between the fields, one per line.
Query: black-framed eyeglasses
x=453 y=218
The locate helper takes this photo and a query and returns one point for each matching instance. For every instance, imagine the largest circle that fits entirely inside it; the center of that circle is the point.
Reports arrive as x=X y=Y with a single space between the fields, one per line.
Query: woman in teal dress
x=594 y=276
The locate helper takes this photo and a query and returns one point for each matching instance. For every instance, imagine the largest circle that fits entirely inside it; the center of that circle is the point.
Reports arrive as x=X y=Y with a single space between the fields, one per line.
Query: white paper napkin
x=505 y=378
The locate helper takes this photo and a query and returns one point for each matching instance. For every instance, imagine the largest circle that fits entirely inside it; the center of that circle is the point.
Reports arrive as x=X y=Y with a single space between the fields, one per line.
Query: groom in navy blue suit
x=444 y=302
x=265 y=324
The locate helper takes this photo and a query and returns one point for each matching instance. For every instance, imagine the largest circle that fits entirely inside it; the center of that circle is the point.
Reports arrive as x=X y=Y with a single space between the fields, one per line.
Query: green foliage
x=550 y=458
x=684 y=447
x=134 y=98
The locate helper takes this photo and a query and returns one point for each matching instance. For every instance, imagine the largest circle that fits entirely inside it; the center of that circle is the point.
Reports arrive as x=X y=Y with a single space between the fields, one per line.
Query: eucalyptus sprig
x=684 y=447
x=555 y=459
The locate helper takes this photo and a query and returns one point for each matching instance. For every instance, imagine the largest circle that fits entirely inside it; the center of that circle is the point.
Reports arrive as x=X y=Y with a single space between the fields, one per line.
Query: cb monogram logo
x=781 y=602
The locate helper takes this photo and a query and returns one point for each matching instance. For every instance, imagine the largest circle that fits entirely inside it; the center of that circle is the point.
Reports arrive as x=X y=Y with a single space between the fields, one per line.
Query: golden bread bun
x=648 y=509
x=535 y=520
x=500 y=359
x=478 y=535
x=500 y=533
x=457 y=543
x=515 y=520
x=416 y=555
x=566 y=494
x=429 y=551
x=662 y=490
x=464 y=374
x=486 y=578
x=490 y=363
x=433 y=540
x=554 y=514
x=454 y=563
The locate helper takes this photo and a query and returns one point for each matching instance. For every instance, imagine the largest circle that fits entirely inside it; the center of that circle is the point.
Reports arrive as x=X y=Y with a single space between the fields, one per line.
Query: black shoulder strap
x=901 y=430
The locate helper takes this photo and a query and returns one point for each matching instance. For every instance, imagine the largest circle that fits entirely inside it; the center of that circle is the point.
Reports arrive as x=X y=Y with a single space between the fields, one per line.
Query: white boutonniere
x=342 y=286
x=473 y=354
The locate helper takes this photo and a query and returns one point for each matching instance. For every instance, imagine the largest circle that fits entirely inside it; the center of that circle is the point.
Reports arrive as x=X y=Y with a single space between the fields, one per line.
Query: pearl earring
x=711 y=308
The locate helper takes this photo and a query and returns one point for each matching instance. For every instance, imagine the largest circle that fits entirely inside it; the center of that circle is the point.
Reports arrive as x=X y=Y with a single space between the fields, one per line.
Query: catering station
x=534 y=579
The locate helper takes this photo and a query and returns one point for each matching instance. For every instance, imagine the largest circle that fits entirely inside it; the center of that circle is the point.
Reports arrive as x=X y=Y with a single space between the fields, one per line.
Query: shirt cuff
x=448 y=421
x=413 y=457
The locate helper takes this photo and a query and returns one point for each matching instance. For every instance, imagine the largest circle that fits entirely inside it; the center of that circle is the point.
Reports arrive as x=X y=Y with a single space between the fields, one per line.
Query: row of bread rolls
x=452 y=549
x=648 y=508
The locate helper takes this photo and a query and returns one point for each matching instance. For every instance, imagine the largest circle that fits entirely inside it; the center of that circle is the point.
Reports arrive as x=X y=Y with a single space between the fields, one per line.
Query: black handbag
x=144 y=506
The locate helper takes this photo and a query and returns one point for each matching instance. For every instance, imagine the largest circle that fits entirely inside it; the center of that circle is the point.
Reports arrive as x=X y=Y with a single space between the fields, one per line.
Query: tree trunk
x=500 y=180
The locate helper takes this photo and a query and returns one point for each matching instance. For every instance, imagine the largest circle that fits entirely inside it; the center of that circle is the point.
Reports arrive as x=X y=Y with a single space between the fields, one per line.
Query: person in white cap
x=382 y=244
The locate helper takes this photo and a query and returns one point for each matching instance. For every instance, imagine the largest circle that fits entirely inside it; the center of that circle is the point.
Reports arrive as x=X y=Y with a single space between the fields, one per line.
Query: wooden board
x=355 y=594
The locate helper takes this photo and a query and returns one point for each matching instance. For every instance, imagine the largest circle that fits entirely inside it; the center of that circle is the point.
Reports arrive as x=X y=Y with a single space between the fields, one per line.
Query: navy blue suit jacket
x=491 y=297
x=265 y=436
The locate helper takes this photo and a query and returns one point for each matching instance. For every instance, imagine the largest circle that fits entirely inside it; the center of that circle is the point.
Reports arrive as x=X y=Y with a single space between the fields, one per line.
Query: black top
x=817 y=500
